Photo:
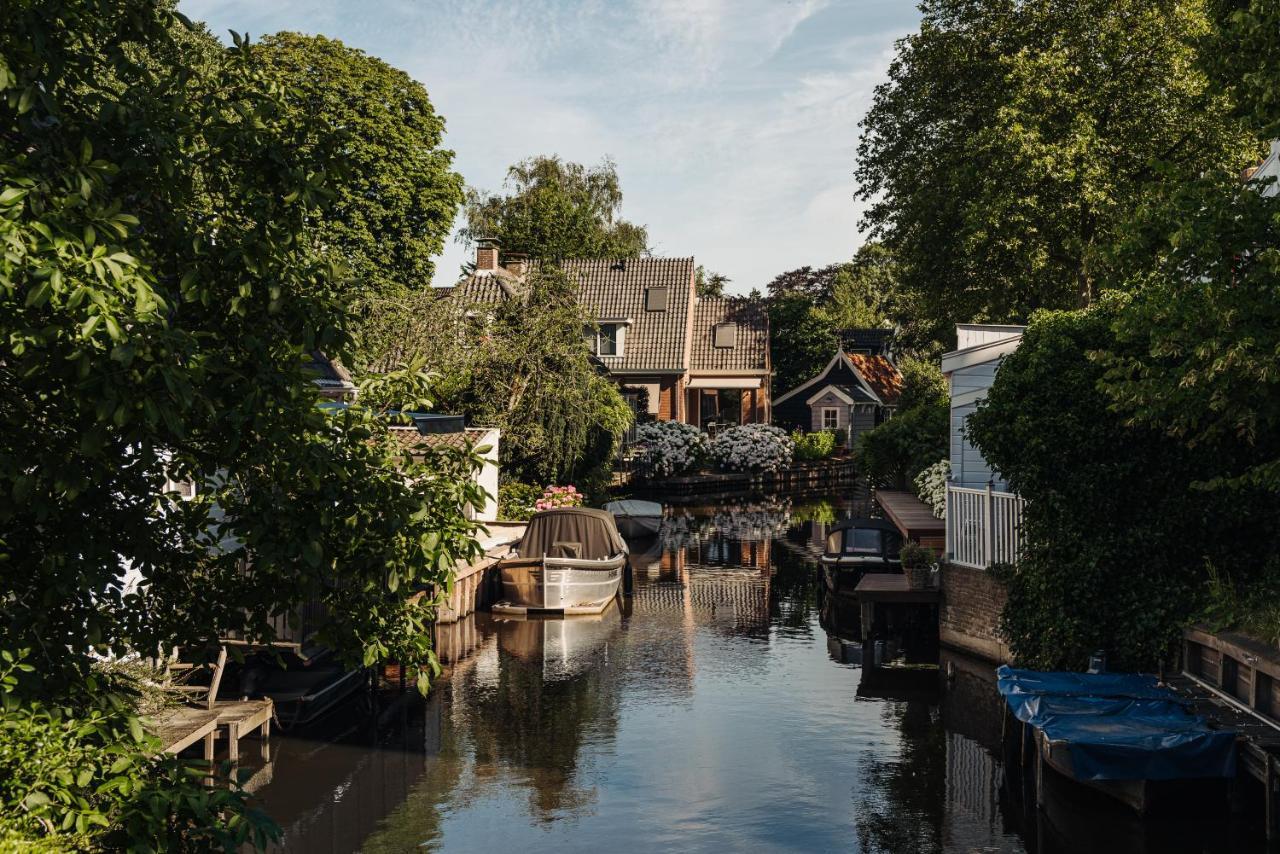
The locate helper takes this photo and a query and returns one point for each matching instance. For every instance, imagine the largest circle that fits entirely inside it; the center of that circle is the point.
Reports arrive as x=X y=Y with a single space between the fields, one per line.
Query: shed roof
x=882 y=375
x=750 y=352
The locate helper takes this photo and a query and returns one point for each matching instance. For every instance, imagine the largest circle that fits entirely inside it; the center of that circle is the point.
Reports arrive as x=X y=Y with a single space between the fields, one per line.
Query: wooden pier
x=913 y=518
x=472 y=581
x=886 y=589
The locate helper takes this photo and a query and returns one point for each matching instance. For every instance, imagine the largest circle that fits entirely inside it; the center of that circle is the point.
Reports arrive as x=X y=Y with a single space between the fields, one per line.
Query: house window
x=830 y=418
x=606 y=339
x=726 y=334
x=655 y=299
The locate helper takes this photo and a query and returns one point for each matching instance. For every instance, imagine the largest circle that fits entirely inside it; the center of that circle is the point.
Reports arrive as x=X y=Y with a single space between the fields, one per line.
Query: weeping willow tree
x=529 y=372
x=521 y=365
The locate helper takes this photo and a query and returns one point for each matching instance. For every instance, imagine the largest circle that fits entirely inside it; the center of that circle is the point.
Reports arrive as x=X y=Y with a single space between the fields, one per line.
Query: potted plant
x=917 y=565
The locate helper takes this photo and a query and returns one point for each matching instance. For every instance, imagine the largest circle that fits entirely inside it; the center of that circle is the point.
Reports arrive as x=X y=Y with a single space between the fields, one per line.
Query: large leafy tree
x=1198 y=342
x=394 y=199
x=1013 y=139
x=554 y=209
x=161 y=282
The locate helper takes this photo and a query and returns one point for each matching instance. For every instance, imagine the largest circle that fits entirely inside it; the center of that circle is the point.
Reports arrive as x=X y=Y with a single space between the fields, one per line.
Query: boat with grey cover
x=570 y=560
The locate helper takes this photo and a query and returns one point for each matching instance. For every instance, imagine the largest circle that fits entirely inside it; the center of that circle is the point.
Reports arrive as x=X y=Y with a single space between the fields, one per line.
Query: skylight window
x=726 y=335
x=655 y=299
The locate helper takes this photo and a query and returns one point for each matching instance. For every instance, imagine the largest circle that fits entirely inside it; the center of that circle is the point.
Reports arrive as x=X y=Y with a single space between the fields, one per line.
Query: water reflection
x=724 y=706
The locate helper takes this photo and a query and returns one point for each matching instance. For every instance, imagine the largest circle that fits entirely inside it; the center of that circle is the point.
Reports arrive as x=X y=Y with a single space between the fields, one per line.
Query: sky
x=733 y=123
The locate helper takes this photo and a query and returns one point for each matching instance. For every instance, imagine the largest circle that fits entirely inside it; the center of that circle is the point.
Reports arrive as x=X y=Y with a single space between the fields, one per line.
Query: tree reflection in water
x=902 y=808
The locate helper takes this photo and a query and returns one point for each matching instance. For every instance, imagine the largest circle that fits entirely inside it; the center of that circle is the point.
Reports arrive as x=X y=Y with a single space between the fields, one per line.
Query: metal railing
x=984 y=527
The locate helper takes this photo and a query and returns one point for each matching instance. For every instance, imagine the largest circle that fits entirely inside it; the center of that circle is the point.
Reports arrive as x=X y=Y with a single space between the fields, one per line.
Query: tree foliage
x=1013 y=140
x=553 y=209
x=161 y=281
x=808 y=307
x=1116 y=539
x=395 y=197
x=710 y=284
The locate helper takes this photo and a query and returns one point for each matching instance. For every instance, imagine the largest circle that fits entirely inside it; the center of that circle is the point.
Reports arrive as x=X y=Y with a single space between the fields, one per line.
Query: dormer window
x=655 y=299
x=607 y=339
x=726 y=335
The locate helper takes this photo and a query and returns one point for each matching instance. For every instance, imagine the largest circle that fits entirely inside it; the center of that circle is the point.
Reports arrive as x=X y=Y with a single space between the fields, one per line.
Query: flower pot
x=918 y=577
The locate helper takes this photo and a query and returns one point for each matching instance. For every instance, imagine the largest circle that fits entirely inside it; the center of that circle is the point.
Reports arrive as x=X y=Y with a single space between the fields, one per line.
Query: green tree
x=527 y=370
x=395 y=197
x=553 y=209
x=1013 y=140
x=710 y=284
x=1198 y=342
x=864 y=292
x=161 y=283
x=1116 y=540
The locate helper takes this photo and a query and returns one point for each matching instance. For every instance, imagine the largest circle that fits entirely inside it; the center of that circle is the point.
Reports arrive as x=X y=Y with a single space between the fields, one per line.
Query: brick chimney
x=486 y=253
x=516 y=263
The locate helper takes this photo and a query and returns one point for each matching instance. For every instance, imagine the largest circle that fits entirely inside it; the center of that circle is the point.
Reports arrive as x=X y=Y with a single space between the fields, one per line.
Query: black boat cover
x=574 y=532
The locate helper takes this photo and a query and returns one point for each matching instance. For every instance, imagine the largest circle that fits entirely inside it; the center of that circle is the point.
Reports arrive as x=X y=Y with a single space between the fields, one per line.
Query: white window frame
x=620 y=338
x=835 y=414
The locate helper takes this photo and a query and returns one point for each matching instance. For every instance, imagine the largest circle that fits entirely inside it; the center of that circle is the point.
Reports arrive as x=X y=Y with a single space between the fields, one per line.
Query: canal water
x=723 y=707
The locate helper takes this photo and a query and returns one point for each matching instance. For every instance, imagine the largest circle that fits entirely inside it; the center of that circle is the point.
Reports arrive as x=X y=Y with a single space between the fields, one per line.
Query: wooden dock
x=471 y=581
x=885 y=589
x=913 y=518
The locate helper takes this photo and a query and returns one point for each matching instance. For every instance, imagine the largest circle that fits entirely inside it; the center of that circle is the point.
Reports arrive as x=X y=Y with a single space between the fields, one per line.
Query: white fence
x=983 y=526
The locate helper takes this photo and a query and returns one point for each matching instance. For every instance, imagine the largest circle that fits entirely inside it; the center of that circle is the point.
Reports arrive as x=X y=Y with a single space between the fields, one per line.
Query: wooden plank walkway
x=181 y=727
x=892 y=587
x=912 y=517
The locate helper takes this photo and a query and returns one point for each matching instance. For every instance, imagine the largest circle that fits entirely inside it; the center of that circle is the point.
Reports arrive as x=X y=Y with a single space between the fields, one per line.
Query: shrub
x=899 y=449
x=516 y=500
x=931 y=486
x=559 y=496
x=669 y=447
x=1115 y=534
x=814 y=446
x=915 y=556
x=753 y=447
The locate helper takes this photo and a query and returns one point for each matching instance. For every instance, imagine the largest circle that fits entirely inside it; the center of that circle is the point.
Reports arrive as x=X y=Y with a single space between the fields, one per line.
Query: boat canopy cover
x=1119 y=726
x=574 y=532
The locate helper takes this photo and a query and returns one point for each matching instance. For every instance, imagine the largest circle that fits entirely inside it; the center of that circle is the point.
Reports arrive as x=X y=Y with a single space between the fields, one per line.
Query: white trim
x=822 y=392
x=979 y=354
x=822 y=417
x=822 y=375
x=723 y=382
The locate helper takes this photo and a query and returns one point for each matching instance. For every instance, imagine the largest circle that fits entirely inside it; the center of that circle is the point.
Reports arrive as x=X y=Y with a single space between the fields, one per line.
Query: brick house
x=675 y=356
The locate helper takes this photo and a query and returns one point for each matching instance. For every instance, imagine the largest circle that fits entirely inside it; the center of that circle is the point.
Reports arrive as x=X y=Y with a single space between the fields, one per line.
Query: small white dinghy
x=636 y=519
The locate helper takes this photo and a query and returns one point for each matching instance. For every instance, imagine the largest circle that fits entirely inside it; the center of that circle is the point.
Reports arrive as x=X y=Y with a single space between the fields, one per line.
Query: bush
x=517 y=501
x=899 y=449
x=814 y=446
x=931 y=486
x=670 y=447
x=915 y=556
x=753 y=447
x=1115 y=534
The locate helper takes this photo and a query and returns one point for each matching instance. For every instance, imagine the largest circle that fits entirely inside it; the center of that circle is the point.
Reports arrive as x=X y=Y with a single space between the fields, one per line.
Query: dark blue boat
x=1120 y=733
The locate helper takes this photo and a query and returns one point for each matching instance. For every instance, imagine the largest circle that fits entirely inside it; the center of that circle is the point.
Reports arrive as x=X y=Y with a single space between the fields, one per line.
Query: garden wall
x=970 y=612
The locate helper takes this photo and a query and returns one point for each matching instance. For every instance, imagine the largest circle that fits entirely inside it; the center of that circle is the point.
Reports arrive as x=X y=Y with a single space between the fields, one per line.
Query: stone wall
x=970 y=612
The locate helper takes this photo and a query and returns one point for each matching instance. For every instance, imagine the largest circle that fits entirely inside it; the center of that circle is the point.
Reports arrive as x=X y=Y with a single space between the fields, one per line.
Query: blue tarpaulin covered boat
x=1118 y=732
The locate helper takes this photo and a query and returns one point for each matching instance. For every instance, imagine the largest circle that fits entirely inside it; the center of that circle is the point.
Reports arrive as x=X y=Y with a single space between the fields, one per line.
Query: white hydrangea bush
x=753 y=447
x=669 y=447
x=931 y=486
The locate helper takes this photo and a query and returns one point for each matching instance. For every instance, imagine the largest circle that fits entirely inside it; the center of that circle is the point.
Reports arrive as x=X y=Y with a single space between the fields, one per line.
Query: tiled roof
x=856 y=392
x=614 y=289
x=881 y=374
x=751 y=349
x=409 y=439
x=875 y=340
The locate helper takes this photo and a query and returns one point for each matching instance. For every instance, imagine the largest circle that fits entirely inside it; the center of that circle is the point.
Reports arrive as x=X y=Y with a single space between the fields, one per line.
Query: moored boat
x=636 y=519
x=1120 y=734
x=855 y=547
x=570 y=560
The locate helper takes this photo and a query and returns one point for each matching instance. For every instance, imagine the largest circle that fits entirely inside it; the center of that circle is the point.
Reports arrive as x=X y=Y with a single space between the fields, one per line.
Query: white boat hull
x=560 y=584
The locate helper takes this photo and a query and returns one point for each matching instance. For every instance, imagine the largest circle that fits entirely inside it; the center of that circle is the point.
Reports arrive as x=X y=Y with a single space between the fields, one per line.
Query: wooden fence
x=984 y=527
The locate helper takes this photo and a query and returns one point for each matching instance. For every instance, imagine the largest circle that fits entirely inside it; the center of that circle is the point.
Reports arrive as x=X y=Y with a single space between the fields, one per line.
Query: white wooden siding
x=971 y=335
x=828 y=401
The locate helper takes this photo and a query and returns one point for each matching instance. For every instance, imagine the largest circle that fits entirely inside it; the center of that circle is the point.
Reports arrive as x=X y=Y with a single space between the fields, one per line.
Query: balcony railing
x=984 y=527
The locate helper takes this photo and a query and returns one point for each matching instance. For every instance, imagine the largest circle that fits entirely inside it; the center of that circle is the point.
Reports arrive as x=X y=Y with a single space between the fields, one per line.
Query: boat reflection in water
x=562 y=647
